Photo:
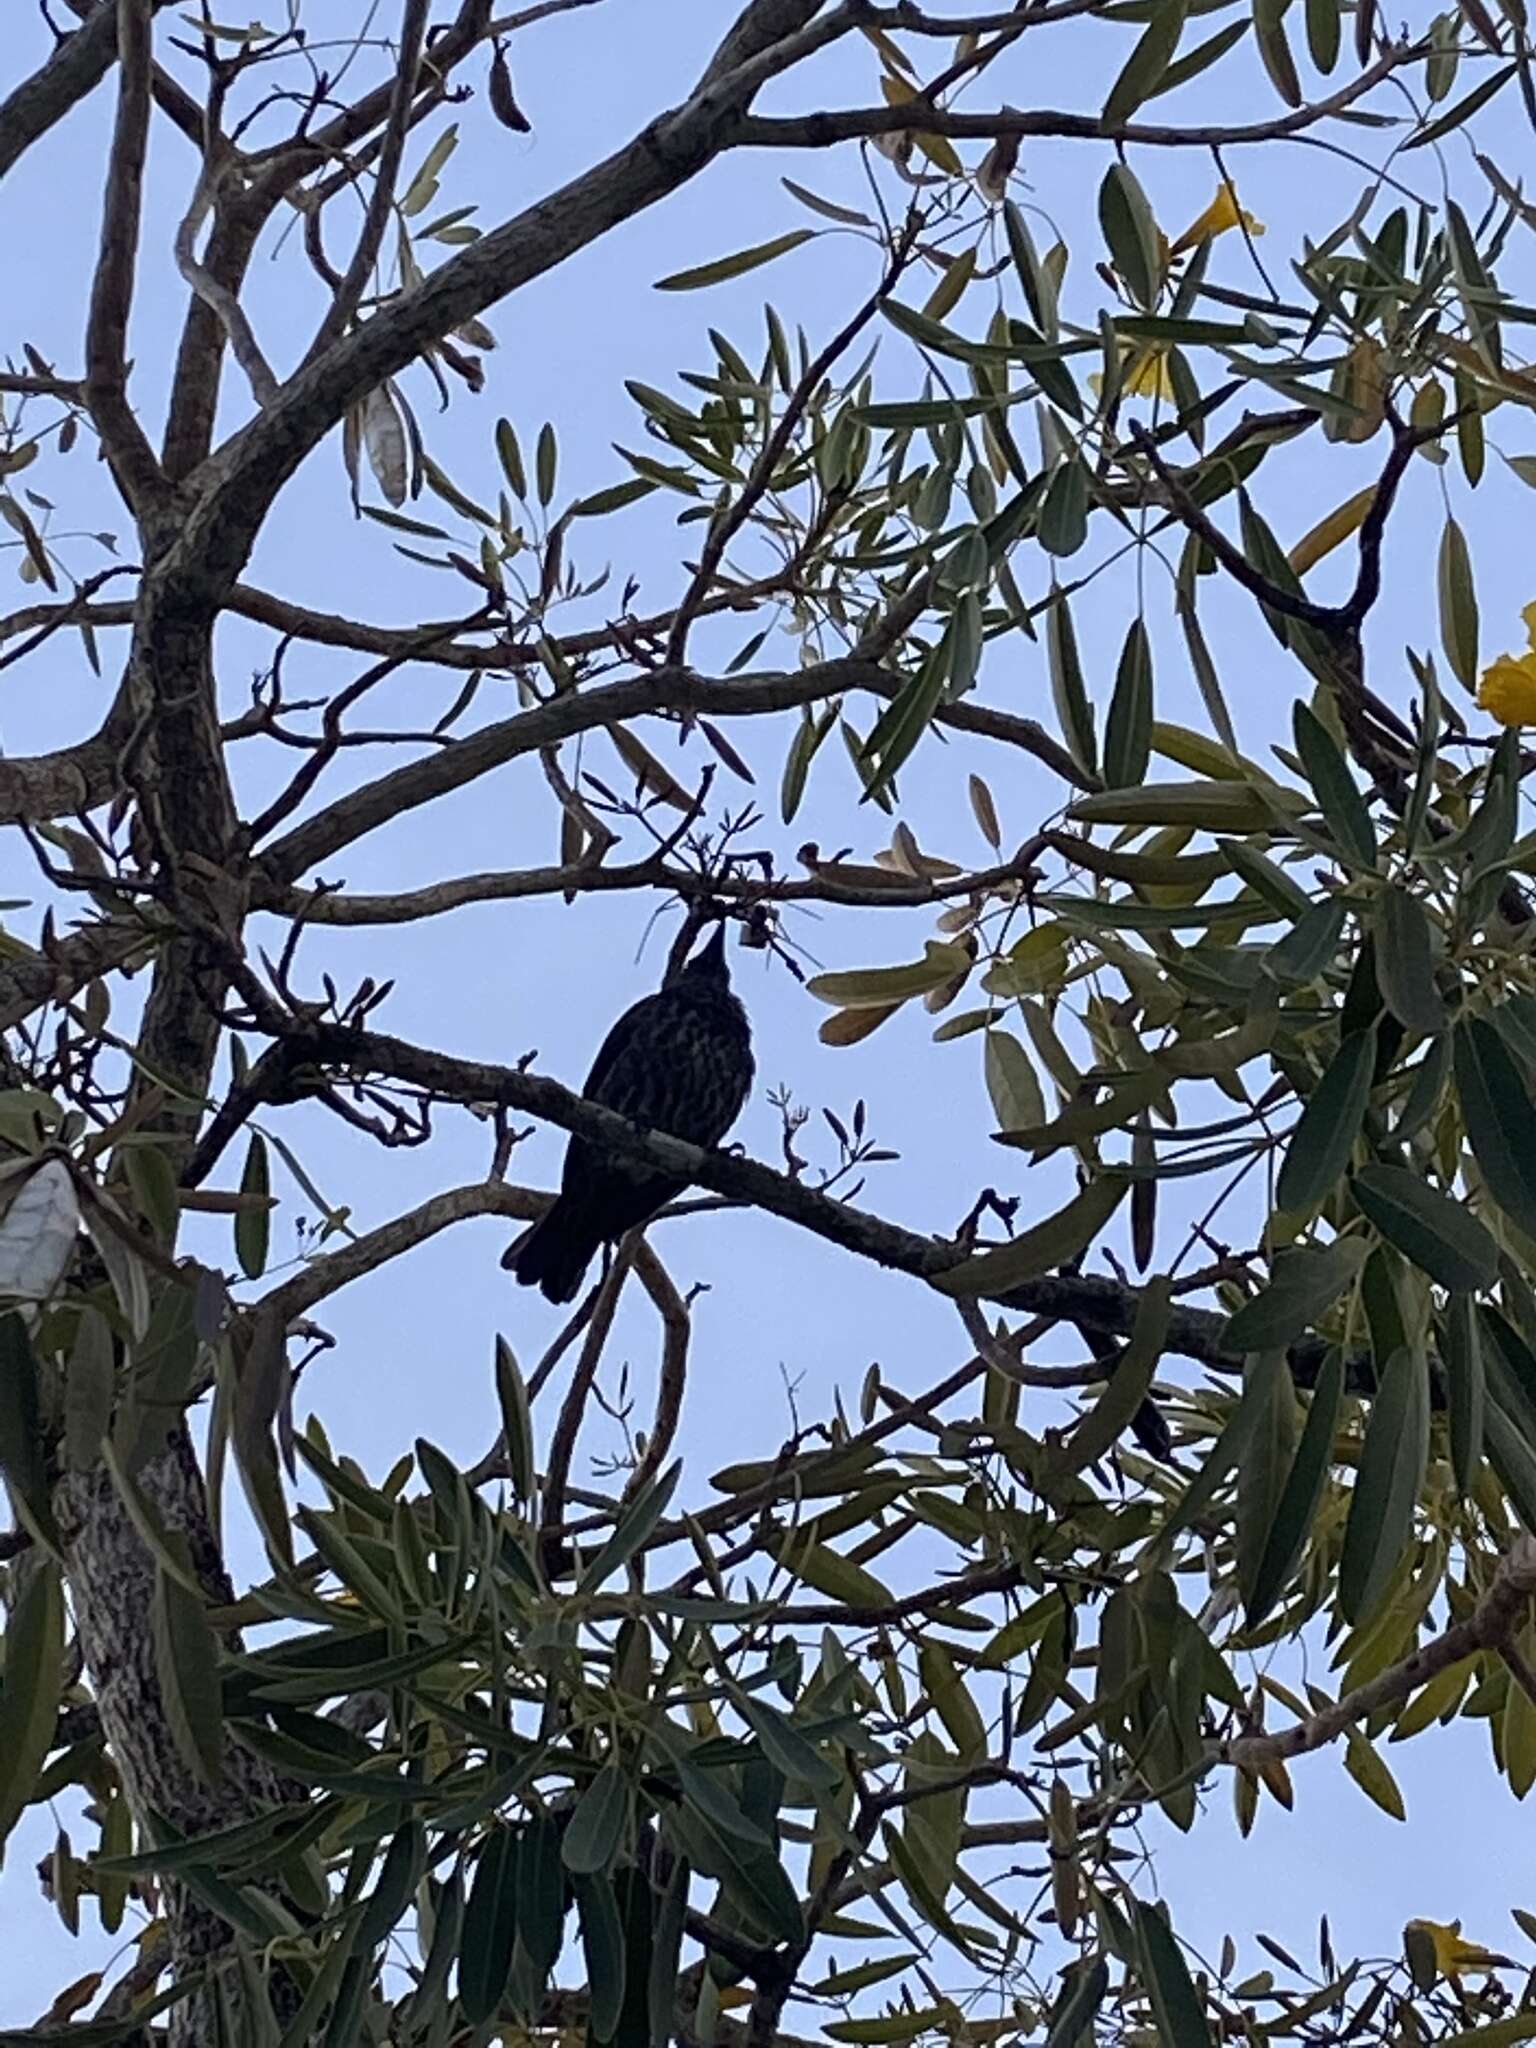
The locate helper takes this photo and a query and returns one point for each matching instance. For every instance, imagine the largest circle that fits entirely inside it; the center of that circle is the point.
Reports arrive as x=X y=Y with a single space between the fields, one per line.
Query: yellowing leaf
x=742 y=261
x=877 y=987
x=1372 y=1776
x=1331 y=531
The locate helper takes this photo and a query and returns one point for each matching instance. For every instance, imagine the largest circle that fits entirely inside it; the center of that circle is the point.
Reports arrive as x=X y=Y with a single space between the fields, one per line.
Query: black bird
x=679 y=1061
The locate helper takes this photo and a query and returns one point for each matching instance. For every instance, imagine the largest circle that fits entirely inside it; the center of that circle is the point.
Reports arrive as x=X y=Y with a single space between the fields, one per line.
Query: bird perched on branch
x=679 y=1061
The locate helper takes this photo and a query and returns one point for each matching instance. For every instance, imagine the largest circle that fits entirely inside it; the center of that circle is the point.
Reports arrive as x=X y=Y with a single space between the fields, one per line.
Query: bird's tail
x=555 y=1253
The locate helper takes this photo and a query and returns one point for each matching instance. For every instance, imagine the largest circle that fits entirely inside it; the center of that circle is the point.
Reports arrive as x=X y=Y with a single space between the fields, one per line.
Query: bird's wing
x=620 y=1037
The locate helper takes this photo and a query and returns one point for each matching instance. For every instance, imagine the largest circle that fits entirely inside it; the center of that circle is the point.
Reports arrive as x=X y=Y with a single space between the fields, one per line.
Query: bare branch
x=816 y=131
x=106 y=336
x=221 y=300
x=900 y=892
x=77 y=66
x=363 y=810
x=326 y=1275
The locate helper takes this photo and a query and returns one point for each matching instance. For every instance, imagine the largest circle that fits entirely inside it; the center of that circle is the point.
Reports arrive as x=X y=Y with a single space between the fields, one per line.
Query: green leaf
x=1465 y=1390
x=253 y=1227
x=828 y=1571
x=1128 y=223
x=1458 y=607
x=89 y=1390
x=1441 y=1236
x=734 y=266
x=1074 y=712
x=1386 y=1492
x=1040 y=1248
x=545 y=456
x=661 y=1978
x=404 y=1861
x=490 y=1926
x=511 y=457
x=1405 y=971
x=632 y=1528
x=602 y=1945
x=516 y=1423
x=612 y=498
x=1274 y=50
x=1266 y=1461
x=1143 y=71
x=34 y=1681
x=23 y=1464
x=904 y=721
x=1200 y=58
x=1176 y=2008
x=874 y=987
x=1365 y=1766
x=1463 y=110
x=1342 y=805
x=1128 y=729
x=1097 y=1432
x=1082 y=1993
x=541 y=1897
x=1303 y=1282
x=1329 y=1124
x=1500 y=1121
x=1309 y=946
x=784 y=1745
x=187 y=1667
x=1017 y=1101
x=1303 y=1491
x=1063 y=524
x=596 y=1827
x=1323 y=34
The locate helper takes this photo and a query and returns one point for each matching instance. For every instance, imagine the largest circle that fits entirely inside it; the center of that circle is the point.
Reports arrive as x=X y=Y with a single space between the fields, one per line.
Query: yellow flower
x=1222 y=213
x=1529 y=616
x=1147 y=377
x=1453 y=1956
x=1508 y=689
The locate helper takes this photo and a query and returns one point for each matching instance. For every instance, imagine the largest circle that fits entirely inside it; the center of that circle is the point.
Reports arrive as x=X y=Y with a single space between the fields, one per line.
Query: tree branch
x=325 y=906
x=76 y=67
x=817 y=131
x=560 y=718
x=1491 y=1625
x=132 y=459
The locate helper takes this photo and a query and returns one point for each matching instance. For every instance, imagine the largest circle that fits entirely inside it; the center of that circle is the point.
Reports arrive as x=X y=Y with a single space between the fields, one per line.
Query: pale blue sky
x=414 y=1347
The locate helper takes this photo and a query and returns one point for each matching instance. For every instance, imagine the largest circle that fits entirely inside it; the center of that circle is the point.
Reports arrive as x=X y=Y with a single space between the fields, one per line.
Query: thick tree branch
x=76 y=67
x=53 y=977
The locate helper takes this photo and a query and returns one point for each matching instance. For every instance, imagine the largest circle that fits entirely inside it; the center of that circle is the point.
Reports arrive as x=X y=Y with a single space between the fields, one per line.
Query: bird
x=678 y=1061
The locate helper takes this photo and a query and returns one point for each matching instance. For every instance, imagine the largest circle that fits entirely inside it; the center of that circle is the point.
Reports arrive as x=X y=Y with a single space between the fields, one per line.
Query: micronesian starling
x=679 y=1061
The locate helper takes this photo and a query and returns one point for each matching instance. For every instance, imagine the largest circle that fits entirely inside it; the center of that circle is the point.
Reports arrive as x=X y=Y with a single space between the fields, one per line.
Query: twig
x=348 y=295
x=562 y=1444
